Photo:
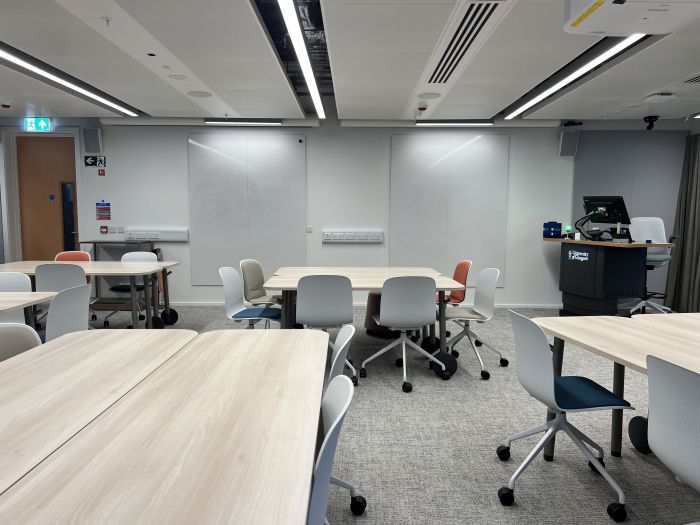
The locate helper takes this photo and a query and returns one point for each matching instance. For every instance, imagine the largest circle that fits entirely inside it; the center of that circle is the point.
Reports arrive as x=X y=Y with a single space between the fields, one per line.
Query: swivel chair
x=652 y=229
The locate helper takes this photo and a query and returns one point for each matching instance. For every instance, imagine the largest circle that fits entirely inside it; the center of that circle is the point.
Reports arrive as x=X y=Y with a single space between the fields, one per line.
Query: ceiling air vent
x=694 y=80
x=473 y=22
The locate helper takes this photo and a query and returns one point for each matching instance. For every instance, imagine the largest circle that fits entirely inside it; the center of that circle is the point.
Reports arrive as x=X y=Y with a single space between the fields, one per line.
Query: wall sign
x=103 y=210
x=101 y=172
x=37 y=124
x=95 y=161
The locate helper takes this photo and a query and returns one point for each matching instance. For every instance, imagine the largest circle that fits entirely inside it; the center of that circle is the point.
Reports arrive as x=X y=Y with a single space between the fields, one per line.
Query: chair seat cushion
x=463 y=312
x=397 y=326
x=258 y=313
x=575 y=393
x=267 y=299
x=125 y=288
x=657 y=258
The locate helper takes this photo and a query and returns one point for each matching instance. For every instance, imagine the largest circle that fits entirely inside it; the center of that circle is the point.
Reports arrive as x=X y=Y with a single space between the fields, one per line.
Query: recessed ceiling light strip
x=15 y=57
x=453 y=123
x=586 y=68
x=238 y=122
x=291 y=20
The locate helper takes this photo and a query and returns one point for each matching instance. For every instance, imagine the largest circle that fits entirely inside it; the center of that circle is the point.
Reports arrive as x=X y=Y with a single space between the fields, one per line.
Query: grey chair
x=325 y=302
x=14 y=282
x=481 y=312
x=16 y=338
x=652 y=229
x=233 y=301
x=334 y=406
x=68 y=312
x=674 y=419
x=408 y=304
x=561 y=395
x=56 y=277
x=254 y=293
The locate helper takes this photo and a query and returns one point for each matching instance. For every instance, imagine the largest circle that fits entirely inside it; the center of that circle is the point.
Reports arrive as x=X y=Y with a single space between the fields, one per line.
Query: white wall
x=347 y=186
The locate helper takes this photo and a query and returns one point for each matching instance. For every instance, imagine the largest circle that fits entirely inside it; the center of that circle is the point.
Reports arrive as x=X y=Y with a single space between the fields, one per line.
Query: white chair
x=55 y=277
x=652 y=229
x=14 y=282
x=68 y=312
x=125 y=288
x=325 y=301
x=481 y=312
x=233 y=301
x=408 y=303
x=674 y=419
x=16 y=338
x=334 y=406
x=561 y=395
x=254 y=293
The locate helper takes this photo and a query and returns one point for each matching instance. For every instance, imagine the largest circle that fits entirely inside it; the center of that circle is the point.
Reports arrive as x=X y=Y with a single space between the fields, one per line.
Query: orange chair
x=77 y=256
x=455 y=298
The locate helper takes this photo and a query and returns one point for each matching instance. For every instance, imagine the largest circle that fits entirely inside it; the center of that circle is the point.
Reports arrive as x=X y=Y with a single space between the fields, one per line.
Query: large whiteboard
x=449 y=200
x=247 y=200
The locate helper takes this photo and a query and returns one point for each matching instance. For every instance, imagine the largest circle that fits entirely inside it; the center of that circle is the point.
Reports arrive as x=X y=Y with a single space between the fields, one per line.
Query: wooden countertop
x=94 y=268
x=610 y=243
x=13 y=300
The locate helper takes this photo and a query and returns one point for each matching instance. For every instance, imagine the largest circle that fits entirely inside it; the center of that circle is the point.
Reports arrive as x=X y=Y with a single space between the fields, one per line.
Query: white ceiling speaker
x=659 y=98
x=626 y=17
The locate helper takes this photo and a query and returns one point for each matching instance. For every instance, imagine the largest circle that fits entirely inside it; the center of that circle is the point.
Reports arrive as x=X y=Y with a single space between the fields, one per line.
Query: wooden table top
x=361 y=278
x=49 y=393
x=224 y=432
x=624 y=340
x=613 y=244
x=13 y=300
x=687 y=323
x=94 y=268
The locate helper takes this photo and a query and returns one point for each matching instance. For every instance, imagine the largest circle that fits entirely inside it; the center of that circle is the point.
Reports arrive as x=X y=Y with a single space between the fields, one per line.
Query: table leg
x=616 y=430
x=557 y=361
x=134 y=302
x=166 y=293
x=287 y=309
x=154 y=294
x=147 y=301
x=443 y=321
x=29 y=318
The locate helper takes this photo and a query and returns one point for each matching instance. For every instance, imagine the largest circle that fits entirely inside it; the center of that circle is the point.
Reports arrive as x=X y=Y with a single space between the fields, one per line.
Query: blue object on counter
x=551 y=229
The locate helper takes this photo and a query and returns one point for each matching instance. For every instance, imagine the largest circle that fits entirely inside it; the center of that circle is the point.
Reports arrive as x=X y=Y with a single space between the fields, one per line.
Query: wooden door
x=44 y=166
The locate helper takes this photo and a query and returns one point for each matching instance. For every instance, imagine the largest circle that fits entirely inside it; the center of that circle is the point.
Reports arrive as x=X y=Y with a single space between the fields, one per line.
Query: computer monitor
x=606 y=210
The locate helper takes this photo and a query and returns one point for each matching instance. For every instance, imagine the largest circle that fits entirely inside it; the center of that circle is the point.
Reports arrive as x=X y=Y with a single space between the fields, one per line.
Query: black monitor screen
x=606 y=210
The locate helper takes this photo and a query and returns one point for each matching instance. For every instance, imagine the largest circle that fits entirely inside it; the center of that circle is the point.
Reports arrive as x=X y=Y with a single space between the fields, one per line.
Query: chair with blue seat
x=561 y=394
x=233 y=301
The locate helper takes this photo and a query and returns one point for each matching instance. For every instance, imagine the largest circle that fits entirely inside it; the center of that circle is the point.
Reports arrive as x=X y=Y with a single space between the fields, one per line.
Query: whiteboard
x=449 y=201
x=247 y=200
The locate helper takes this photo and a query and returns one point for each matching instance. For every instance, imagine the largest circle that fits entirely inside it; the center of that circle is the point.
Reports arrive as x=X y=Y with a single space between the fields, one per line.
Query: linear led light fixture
x=241 y=122
x=697 y=116
x=597 y=61
x=453 y=123
x=291 y=20
x=38 y=71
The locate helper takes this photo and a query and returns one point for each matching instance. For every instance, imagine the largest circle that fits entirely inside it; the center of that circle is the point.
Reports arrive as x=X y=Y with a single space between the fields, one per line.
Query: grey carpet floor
x=428 y=457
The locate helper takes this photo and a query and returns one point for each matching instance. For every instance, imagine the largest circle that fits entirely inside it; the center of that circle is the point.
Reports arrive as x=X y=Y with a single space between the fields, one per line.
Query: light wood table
x=686 y=323
x=13 y=300
x=50 y=393
x=224 y=432
x=286 y=280
x=147 y=271
x=627 y=342
x=631 y=245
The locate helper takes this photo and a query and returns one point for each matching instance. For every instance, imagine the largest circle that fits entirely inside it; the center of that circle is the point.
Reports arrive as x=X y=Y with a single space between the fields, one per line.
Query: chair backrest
x=139 y=257
x=674 y=418
x=408 y=302
x=485 y=293
x=14 y=282
x=334 y=405
x=16 y=338
x=324 y=300
x=652 y=229
x=68 y=312
x=253 y=279
x=74 y=255
x=460 y=275
x=533 y=359
x=340 y=350
x=233 y=290
x=56 y=277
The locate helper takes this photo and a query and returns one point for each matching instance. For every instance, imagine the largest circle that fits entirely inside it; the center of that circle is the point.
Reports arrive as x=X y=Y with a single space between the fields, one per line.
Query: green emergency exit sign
x=37 y=124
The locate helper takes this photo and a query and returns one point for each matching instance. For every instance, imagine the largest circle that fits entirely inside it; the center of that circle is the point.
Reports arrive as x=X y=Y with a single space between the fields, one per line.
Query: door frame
x=11 y=222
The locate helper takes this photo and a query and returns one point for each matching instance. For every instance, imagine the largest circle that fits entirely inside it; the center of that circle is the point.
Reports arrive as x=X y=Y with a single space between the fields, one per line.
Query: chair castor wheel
x=477 y=342
x=414 y=338
x=444 y=374
x=399 y=362
x=93 y=317
x=506 y=496
x=617 y=512
x=485 y=375
x=169 y=317
x=354 y=380
x=592 y=466
x=106 y=324
x=130 y=327
x=358 y=504
x=448 y=333
x=504 y=362
x=407 y=387
x=363 y=373
x=142 y=317
x=157 y=323
x=503 y=453
x=455 y=353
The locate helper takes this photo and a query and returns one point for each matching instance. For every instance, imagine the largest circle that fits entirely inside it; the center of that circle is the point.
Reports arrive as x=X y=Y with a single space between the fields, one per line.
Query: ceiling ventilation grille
x=694 y=80
x=473 y=22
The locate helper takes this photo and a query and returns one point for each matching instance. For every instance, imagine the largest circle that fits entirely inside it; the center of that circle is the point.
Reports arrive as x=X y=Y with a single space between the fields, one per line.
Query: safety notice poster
x=104 y=211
